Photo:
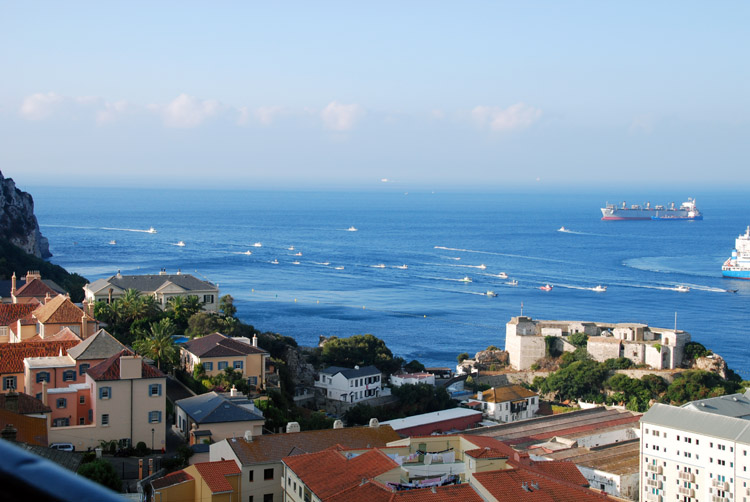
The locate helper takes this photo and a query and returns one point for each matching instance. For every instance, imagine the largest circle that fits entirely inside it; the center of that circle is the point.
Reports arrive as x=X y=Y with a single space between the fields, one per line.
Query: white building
x=509 y=403
x=697 y=452
x=412 y=379
x=350 y=385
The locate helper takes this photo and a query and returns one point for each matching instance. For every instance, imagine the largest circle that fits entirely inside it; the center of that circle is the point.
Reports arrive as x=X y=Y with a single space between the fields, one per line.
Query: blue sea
x=349 y=282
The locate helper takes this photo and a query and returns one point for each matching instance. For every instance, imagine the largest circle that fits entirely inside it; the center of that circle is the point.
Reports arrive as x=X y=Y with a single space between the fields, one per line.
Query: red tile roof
x=59 y=310
x=218 y=345
x=36 y=288
x=63 y=334
x=506 y=393
x=563 y=470
x=11 y=312
x=487 y=453
x=508 y=485
x=373 y=491
x=110 y=369
x=27 y=405
x=315 y=469
x=13 y=354
x=172 y=479
x=215 y=474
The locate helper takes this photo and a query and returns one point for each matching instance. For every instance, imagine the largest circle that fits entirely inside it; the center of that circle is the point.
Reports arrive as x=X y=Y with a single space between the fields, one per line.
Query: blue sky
x=346 y=94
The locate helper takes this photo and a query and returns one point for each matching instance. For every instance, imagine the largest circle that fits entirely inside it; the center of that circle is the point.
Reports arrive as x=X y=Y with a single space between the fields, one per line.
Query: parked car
x=63 y=446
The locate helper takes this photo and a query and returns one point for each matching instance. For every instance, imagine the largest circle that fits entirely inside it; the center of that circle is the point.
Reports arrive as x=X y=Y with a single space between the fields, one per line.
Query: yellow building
x=201 y=482
x=216 y=352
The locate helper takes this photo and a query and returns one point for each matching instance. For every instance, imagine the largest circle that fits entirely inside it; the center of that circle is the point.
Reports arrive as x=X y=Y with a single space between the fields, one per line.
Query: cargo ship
x=738 y=266
x=686 y=211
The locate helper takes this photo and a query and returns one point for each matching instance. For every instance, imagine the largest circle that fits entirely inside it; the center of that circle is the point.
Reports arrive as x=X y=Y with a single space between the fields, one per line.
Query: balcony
x=654 y=483
x=686 y=491
x=687 y=476
x=654 y=468
x=721 y=485
x=716 y=498
x=652 y=497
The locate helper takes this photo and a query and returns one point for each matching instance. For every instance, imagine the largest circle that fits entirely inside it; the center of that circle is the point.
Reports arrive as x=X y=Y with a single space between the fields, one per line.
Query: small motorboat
x=257 y=245
x=562 y=229
x=379 y=265
x=181 y=244
x=275 y=261
x=402 y=267
x=681 y=288
x=248 y=252
x=295 y=262
x=151 y=230
x=546 y=287
x=291 y=248
x=466 y=279
x=482 y=266
x=339 y=268
x=502 y=275
x=352 y=229
x=599 y=289
x=513 y=283
x=113 y=243
x=491 y=293
x=326 y=263
x=298 y=253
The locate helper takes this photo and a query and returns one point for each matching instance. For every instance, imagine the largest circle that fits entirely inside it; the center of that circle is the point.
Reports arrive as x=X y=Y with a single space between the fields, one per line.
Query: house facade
x=399 y=379
x=509 y=403
x=350 y=385
x=10 y=314
x=13 y=355
x=212 y=417
x=35 y=290
x=216 y=352
x=161 y=286
x=50 y=318
x=201 y=482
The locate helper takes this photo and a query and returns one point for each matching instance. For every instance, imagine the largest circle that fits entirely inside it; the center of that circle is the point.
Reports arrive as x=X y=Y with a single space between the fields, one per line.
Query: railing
x=716 y=498
x=653 y=497
x=686 y=491
x=687 y=476
x=654 y=468
x=654 y=483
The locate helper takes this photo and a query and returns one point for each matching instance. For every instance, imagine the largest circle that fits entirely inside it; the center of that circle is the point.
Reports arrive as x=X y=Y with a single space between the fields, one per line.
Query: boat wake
x=661 y=265
x=510 y=255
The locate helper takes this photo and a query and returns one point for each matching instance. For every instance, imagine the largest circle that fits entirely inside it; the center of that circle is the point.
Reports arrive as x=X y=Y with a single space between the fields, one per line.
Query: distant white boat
x=181 y=244
x=482 y=266
x=257 y=245
x=298 y=253
x=326 y=263
x=295 y=262
x=402 y=267
x=352 y=229
x=512 y=283
x=275 y=261
x=563 y=229
x=599 y=289
x=291 y=248
x=466 y=279
x=502 y=275
x=248 y=252
x=546 y=287
x=151 y=230
x=339 y=268
x=379 y=265
x=491 y=293
x=113 y=243
x=682 y=288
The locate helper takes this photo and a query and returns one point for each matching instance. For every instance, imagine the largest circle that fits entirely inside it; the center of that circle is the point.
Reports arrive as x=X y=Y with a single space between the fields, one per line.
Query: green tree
x=579 y=380
x=578 y=339
x=360 y=350
x=414 y=366
x=698 y=384
x=694 y=350
x=181 y=308
x=159 y=343
x=226 y=306
x=103 y=472
x=462 y=357
x=203 y=323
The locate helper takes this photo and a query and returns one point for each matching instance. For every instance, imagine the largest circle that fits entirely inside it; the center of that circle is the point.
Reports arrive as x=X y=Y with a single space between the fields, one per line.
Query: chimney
x=13 y=284
x=233 y=391
x=31 y=275
x=255 y=340
x=338 y=424
x=374 y=423
x=47 y=298
x=119 y=275
x=163 y=271
x=433 y=489
x=179 y=271
x=11 y=401
x=248 y=436
x=9 y=433
x=292 y=427
x=44 y=393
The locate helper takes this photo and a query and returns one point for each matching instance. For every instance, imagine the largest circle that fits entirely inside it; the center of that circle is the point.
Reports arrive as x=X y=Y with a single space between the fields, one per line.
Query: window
x=154 y=417
x=208 y=298
x=61 y=422
x=154 y=389
x=42 y=376
x=208 y=366
x=268 y=474
x=238 y=365
x=105 y=419
x=250 y=498
x=105 y=392
x=82 y=368
x=253 y=380
x=69 y=376
x=82 y=400
x=81 y=421
x=268 y=497
x=9 y=383
x=62 y=402
x=250 y=475
x=222 y=365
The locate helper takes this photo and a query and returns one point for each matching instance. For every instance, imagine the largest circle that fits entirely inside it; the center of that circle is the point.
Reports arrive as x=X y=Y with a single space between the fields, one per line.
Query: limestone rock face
x=17 y=221
x=302 y=372
x=488 y=357
x=713 y=363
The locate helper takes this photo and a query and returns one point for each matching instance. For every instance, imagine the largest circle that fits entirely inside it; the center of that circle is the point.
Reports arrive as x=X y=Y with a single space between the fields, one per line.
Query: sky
x=375 y=95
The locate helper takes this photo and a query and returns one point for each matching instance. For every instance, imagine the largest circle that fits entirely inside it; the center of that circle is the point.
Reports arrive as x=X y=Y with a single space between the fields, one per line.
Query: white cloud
x=110 y=111
x=40 y=106
x=515 y=117
x=340 y=117
x=187 y=111
x=267 y=114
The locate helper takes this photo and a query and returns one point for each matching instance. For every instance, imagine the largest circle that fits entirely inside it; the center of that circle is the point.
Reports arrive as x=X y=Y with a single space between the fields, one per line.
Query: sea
x=417 y=270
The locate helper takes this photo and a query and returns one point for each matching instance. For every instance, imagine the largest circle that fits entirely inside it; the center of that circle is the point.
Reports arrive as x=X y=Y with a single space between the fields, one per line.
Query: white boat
x=502 y=275
x=326 y=263
x=275 y=261
x=681 y=288
x=466 y=279
x=257 y=245
x=113 y=243
x=546 y=287
x=379 y=265
x=352 y=229
x=248 y=252
x=291 y=248
x=181 y=244
x=491 y=293
x=513 y=283
x=599 y=289
x=151 y=230
x=298 y=253
x=482 y=266
x=402 y=267
x=295 y=262
x=339 y=268
x=562 y=229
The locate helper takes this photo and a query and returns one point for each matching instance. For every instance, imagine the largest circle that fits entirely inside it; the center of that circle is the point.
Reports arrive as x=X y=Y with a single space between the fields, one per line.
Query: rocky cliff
x=18 y=224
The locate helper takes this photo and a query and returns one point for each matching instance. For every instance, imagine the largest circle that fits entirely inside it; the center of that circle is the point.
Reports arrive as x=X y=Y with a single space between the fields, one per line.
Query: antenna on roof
x=521 y=309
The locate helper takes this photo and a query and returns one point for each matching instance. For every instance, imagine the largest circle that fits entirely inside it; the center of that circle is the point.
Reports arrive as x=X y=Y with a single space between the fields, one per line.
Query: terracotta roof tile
x=30 y=430
x=27 y=405
x=59 y=310
x=508 y=485
x=506 y=393
x=215 y=474
x=36 y=288
x=12 y=312
x=451 y=493
x=566 y=471
x=62 y=335
x=13 y=354
x=110 y=369
x=217 y=345
x=272 y=448
x=172 y=479
x=487 y=453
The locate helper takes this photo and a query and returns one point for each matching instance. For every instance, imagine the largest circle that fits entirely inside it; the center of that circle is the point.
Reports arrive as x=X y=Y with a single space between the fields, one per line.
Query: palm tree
x=158 y=344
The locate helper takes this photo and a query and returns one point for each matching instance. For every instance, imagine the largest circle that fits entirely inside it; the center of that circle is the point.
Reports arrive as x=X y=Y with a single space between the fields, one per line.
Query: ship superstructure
x=686 y=211
x=738 y=265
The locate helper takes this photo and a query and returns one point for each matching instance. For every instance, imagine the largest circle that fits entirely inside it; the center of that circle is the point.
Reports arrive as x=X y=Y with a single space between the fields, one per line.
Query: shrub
x=141 y=449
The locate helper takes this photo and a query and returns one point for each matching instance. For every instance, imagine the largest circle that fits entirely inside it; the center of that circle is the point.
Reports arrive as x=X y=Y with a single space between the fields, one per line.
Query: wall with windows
x=262 y=481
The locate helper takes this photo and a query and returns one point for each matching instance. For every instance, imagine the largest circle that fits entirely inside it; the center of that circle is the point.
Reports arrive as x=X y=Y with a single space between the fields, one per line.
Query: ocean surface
x=349 y=282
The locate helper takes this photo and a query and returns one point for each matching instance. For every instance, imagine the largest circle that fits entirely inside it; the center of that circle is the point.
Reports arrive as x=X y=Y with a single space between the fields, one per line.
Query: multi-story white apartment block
x=697 y=452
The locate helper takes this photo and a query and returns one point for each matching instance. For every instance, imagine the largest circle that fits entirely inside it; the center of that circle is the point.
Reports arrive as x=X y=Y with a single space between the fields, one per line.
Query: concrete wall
x=603 y=348
x=523 y=350
x=623 y=486
x=258 y=487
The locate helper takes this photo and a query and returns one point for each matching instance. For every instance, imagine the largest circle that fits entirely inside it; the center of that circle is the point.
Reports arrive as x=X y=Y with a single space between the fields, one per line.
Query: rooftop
x=619 y=458
x=63 y=334
x=506 y=393
x=215 y=474
x=171 y=479
x=59 y=310
x=214 y=408
x=11 y=312
x=351 y=372
x=38 y=288
x=13 y=354
x=734 y=405
x=26 y=404
x=218 y=345
x=152 y=282
x=100 y=345
x=429 y=418
x=110 y=369
x=690 y=419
